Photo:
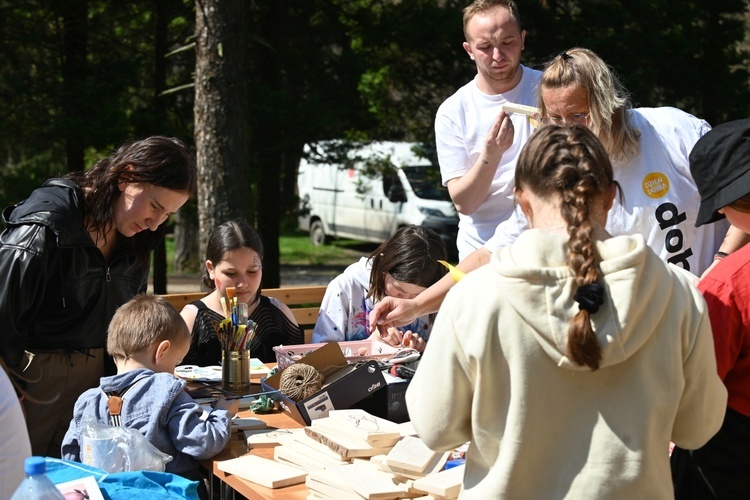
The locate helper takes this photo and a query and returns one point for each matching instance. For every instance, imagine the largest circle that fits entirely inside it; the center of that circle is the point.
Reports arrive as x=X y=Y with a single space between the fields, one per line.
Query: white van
x=340 y=199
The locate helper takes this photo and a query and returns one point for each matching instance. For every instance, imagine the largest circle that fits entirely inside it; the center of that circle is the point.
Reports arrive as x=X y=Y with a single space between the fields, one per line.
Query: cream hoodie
x=496 y=373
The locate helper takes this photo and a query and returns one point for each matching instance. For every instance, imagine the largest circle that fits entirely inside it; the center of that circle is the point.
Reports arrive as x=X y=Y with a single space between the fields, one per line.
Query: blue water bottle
x=37 y=485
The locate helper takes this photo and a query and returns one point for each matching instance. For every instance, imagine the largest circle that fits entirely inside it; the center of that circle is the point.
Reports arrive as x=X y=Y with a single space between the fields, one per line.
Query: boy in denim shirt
x=147 y=338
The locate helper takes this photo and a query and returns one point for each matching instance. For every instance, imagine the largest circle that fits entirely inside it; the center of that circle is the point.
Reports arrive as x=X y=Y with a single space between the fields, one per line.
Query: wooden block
x=289 y=456
x=303 y=442
x=366 y=482
x=434 y=467
x=268 y=438
x=320 y=457
x=521 y=109
x=411 y=454
x=335 y=428
x=347 y=447
x=262 y=471
x=446 y=483
x=375 y=430
x=323 y=490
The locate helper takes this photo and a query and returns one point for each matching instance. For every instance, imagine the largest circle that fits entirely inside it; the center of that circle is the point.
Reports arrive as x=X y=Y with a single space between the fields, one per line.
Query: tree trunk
x=160 y=83
x=186 y=257
x=220 y=114
x=269 y=218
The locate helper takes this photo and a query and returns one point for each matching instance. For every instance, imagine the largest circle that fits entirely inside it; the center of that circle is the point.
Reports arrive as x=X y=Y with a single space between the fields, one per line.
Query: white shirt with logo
x=657 y=197
x=461 y=126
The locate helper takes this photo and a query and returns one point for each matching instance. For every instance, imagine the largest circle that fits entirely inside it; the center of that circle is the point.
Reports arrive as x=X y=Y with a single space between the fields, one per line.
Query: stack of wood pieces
x=352 y=454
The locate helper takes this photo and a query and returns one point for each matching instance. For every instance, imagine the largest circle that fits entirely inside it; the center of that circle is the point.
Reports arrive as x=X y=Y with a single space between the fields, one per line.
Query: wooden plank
x=297 y=294
x=306 y=315
x=303 y=301
x=411 y=454
x=346 y=446
x=365 y=481
x=445 y=483
x=180 y=300
x=375 y=430
x=268 y=473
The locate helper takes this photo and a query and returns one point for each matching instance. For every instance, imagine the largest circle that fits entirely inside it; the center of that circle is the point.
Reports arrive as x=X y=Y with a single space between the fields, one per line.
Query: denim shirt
x=162 y=411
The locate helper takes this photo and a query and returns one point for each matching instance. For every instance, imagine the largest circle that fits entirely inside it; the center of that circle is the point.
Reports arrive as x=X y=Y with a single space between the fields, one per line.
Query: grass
x=296 y=250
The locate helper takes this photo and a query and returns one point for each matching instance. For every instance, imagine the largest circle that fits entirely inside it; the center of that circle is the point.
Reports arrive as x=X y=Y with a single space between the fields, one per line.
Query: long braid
x=583 y=346
x=570 y=164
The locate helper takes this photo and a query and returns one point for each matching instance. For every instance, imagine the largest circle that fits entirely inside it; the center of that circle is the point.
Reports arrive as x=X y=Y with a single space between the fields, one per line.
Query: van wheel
x=317 y=234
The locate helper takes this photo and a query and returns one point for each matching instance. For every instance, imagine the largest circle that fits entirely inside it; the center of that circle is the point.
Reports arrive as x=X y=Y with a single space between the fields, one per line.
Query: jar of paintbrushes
x=235 y=333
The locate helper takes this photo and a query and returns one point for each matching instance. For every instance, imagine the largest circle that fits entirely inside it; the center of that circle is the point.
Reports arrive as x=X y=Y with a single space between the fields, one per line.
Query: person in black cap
x=720 y=165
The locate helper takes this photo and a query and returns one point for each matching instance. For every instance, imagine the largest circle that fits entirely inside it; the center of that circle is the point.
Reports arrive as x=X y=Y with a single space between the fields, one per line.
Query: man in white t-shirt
x=477 y=142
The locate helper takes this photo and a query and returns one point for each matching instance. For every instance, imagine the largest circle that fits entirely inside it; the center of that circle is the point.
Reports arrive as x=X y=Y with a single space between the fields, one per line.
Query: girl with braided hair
x=573 y=358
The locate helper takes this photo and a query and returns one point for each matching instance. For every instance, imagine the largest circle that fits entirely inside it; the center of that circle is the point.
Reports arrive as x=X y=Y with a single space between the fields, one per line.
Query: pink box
x=354 y=351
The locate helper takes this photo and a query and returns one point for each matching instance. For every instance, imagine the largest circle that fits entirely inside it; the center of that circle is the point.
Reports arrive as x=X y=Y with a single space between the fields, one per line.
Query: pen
x=252 y=395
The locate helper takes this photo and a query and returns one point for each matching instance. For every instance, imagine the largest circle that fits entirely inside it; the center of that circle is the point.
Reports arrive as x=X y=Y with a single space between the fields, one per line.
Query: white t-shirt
x=658 y=197
x=461 y=126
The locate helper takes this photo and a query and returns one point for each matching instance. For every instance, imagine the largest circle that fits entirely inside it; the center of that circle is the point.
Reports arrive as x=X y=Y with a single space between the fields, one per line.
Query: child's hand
x=231 y=405
x=414 y=341
x=391 y=336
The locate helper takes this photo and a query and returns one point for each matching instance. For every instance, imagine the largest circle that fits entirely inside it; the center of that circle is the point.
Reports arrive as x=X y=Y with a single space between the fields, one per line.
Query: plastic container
x=354 y=351
x=37 y=485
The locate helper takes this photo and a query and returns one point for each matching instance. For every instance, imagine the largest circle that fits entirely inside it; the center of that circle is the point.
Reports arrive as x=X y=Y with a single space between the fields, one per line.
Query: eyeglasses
x=575 y=118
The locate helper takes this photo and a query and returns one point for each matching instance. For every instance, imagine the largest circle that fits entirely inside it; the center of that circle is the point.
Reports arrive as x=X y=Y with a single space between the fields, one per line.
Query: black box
x=390 y=402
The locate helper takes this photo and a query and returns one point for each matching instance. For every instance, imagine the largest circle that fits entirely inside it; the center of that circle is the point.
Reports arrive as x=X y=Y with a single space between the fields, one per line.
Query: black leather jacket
x=57 y=290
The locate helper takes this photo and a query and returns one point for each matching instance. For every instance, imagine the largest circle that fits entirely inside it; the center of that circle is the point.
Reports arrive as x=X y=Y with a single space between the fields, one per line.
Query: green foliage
x=323 y=69
x=58 y=108
x=296 y=250
x=687 y=54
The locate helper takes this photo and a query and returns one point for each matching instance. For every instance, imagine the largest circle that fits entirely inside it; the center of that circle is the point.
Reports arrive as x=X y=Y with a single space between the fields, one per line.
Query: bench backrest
x=304 y=301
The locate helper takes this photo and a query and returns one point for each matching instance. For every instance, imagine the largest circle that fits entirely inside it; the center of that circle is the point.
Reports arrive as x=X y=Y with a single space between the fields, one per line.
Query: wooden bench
x=304 y=301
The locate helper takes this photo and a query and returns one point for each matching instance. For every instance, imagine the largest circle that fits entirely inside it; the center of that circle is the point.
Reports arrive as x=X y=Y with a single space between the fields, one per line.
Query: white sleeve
x=333 y=317
x=442 y=418
x=453 y=158
x=508 y=230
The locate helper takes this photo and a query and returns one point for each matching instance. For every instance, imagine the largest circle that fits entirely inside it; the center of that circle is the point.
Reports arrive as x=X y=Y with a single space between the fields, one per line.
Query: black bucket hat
x=720 y=164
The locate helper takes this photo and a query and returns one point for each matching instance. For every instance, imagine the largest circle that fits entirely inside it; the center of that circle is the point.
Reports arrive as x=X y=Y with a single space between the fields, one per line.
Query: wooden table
x=238 y=447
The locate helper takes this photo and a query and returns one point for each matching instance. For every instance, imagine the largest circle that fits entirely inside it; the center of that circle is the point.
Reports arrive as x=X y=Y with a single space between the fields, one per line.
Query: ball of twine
x=299 y=381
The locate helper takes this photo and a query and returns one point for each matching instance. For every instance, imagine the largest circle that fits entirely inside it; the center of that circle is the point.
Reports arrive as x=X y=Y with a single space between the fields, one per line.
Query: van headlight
x=434 y=212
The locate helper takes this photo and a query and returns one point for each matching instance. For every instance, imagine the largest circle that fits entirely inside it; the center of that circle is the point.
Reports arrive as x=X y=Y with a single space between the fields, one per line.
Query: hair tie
x=565 y=56
x=590 y=297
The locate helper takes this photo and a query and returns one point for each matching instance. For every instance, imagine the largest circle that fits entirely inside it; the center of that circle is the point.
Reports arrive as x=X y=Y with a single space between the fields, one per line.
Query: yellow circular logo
x=655 y=185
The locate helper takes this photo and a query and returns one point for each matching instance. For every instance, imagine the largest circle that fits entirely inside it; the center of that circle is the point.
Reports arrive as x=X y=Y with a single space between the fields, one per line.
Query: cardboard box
x=341 y=390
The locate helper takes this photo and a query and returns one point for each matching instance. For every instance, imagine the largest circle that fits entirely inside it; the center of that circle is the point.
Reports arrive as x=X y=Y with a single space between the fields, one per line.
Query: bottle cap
x=35 y=465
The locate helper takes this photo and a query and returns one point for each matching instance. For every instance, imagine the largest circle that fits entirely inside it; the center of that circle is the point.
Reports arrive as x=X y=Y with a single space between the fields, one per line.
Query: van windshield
x=425 y=182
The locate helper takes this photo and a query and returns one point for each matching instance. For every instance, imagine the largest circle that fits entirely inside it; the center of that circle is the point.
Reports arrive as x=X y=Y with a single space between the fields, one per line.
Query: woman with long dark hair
x=73 y=252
